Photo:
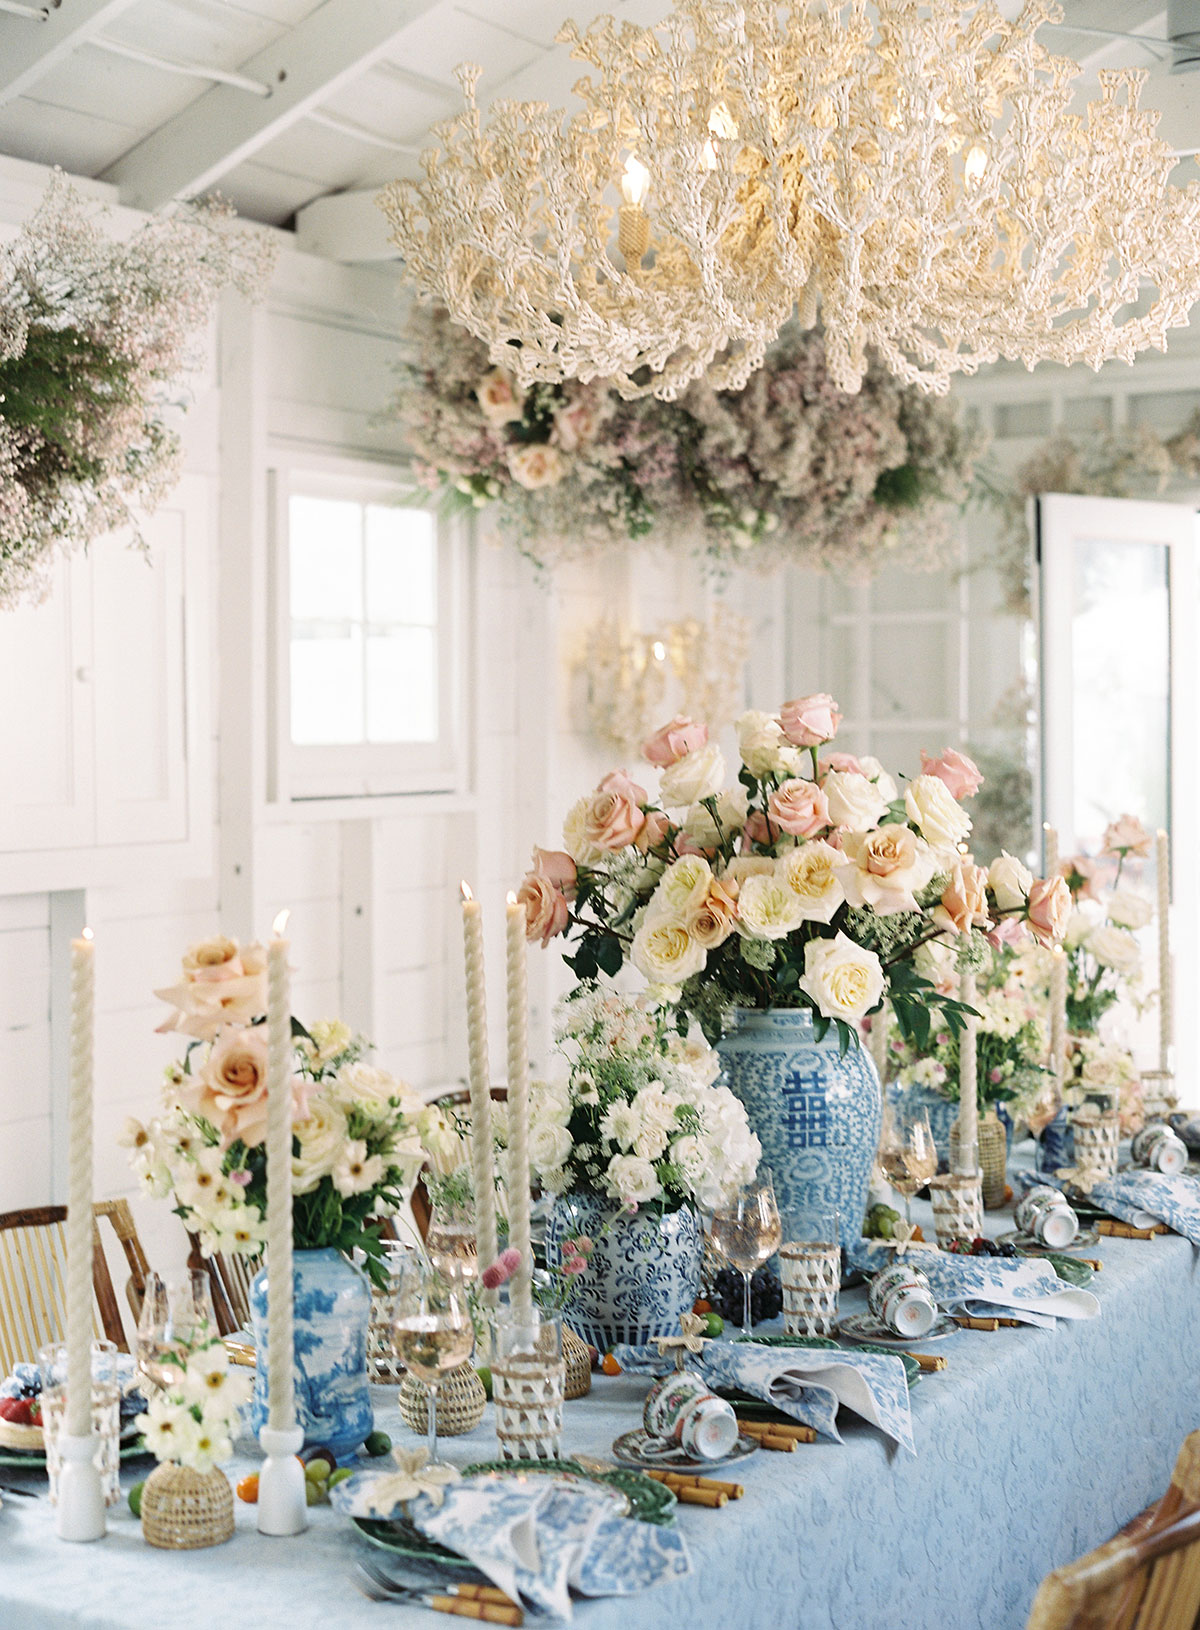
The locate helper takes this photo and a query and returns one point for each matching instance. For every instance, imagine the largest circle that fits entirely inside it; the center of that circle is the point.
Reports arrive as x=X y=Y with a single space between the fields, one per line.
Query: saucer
x=639 y=1449
x=1029 y=1246
x=862 y=1327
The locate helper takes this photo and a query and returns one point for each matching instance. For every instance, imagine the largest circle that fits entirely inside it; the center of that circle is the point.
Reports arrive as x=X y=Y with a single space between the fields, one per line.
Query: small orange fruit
x=701 y=1306
x=610 y=1365
x=247 y=1489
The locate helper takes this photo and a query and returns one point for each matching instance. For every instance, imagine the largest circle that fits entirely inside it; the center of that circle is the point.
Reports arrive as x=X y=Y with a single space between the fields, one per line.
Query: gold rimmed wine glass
x=431 y=1327
x=908 y=1153
x=175 y=1313
x=746 y=1230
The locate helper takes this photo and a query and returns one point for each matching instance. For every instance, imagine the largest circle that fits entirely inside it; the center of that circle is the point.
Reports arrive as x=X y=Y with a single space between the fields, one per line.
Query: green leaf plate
x=35 y=1460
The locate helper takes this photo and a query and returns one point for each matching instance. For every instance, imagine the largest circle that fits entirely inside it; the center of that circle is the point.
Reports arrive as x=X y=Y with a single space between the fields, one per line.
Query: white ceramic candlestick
x=518 y=1109
x=1166 y=1013
x=80 y=1511
x=968 y=1104
x=1058 y=1015
x=1050 y=848
x=482 y=1164
x=282 y=1507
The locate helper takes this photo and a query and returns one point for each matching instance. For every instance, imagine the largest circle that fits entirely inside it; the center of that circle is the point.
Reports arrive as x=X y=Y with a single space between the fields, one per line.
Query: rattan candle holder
x=185 y=1510
x=577 y=1357
x=811 y=1276
x=957 y=1207
x=992 y=1149
x=528 y=1392
x=461 y=1401
x=1097 y=1140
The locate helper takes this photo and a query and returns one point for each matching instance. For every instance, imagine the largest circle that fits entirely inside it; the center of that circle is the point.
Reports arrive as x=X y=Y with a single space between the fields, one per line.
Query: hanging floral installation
x=95 y=335
x=790 y=469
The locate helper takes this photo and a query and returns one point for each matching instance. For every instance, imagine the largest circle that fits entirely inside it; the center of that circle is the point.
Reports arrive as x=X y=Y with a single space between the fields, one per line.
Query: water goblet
x=747 y=1232
x=431 y=1327
x=908 y=1153
x=175 y=1313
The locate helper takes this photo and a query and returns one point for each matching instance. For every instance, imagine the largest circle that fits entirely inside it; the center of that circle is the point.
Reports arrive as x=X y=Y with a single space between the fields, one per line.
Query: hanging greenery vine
x=95 y=334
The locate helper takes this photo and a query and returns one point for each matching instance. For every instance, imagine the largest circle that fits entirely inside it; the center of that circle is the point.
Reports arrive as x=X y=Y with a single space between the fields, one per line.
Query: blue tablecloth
x=1033 y=1446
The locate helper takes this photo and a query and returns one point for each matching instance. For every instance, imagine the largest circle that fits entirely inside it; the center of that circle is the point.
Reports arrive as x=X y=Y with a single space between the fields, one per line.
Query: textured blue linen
x=1033 y=1446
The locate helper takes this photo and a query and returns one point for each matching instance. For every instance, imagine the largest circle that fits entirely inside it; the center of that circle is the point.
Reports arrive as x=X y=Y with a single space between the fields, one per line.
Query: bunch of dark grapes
x=766 y=1296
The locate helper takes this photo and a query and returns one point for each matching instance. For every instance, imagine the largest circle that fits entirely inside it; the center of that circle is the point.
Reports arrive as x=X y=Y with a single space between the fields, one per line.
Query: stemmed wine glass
x=431 y=1327
x=174 y=1314
x=1040 y=1113
x=908 y=1153
x=746 y=1230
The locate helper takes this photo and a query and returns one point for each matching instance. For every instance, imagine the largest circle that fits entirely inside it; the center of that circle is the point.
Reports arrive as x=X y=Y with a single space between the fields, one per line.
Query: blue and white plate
x=639 y=1449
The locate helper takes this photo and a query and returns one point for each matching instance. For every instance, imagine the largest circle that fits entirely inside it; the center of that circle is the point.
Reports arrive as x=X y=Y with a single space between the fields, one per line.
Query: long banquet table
x=1033 y=1446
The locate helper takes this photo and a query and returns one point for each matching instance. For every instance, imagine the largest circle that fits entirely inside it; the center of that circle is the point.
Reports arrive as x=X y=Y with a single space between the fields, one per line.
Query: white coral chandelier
x=908 y=172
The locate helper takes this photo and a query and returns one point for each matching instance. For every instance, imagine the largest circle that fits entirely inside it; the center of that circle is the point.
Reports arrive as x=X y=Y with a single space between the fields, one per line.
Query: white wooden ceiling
x=354 y=85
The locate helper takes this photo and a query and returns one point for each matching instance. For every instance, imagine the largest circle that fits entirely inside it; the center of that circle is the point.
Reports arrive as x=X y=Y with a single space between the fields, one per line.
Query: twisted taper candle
x=968 y=1102
x=1166 y=990
x=79 y=1192
x=482 y=1164
x=518 y=1109
x=280 y=1395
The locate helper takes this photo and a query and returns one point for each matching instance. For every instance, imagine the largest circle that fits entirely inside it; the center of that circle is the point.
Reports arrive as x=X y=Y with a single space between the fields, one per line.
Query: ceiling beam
x=30 y=49
x=345 y=226
x=223 y=127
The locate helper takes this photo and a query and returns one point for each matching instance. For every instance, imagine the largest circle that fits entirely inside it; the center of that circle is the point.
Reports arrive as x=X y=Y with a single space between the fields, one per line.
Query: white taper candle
x=518 y=1109
x=1166 y=991
x=482 y=1163
x=280 y=1395
x=1050 y=848
x=968 y=1104
x=79 y=1193
x=1059 y=971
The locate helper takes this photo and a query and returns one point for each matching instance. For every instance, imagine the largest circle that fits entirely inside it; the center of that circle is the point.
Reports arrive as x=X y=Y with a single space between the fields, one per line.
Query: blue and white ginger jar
x=643 y=1273
x=817 y=1114
x=330 y=1311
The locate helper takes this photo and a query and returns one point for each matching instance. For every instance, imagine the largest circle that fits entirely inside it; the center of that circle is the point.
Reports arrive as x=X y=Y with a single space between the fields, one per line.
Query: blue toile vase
x=643 y=1273
x=330 y=1311
x=816 y=1114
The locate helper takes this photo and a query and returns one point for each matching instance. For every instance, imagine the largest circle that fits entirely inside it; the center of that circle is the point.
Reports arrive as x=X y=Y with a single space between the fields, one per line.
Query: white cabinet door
x=46 y=760
x=138 y=616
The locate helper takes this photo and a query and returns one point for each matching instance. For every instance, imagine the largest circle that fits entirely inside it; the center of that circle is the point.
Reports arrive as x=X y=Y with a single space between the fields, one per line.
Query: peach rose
x=653 y=832
x=757 y=829
x=546 y=910
x=1082 y=875
x=964 y=902
x=231 y=1089
x=799 y=807
x=669 y=745
x=841 y=761
x=222 y=984
x=497 y=399
x=960 y=773
x=558 y=868
x=536 y=464
x=1049 y=909
x=712 y=922
x=810 y=720
x=613 y=817
x=576 y=425
x=886 y=867
x=1127 y=836
x=1009 y=931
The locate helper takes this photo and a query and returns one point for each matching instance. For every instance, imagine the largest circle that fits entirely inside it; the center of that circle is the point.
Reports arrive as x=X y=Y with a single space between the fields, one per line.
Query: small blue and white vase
x=642 y=1276
x=331 y=1308
x=816 y=1113
x=1056 y=1146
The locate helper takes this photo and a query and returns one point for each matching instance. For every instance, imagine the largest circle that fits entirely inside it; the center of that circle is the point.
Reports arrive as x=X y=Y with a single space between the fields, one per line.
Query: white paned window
x=367 y=624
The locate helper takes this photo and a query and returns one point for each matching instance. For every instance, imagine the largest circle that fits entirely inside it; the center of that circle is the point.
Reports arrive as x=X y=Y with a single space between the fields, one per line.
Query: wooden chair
x=230 y=1278
x=33 y=1258
x=1145 y=1578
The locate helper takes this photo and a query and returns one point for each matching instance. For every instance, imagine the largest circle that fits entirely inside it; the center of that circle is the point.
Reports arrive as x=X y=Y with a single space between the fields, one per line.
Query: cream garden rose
x=1117 y=949
x=932 y=808
x=845 y=980
x=813 y=873
x=1129 y=909
x=768 y=907
x=683 y=889
x=666 y=954
x=854 y=802
x=321 y=1134
x=698 y=774
x=1010 y=881
x=536 y=464
x=763 y=747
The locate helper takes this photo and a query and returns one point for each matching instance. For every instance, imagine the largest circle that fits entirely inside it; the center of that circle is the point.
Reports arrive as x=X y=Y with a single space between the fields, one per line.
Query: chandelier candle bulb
x=80 y=1511
x=1166 y=1015
x=518 y=1109
x=968 y=1102
x=281 y=1498
x=482 y=1168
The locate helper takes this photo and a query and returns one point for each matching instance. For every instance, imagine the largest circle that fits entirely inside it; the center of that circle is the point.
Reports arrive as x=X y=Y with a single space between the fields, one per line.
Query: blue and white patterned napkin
x=537 y=1538
x=1022 y=1288
x=1137 y=1196
x=807 y=1383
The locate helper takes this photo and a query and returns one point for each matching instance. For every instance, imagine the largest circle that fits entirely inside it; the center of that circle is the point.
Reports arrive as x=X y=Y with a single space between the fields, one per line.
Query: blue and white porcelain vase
x=643 y=1273
x=330 y=1312
x=817 y=1114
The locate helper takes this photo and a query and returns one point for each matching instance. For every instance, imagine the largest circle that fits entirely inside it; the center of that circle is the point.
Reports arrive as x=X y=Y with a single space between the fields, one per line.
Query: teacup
x=1158 y=1148
x=1043 y=1214
x=901 y=1298
x=682 y=1407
